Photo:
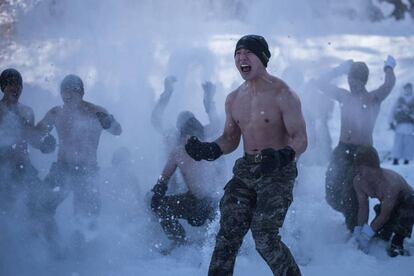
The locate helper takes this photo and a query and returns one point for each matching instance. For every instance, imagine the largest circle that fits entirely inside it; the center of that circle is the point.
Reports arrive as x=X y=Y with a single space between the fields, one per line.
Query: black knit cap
x=257 y=44
x=10 y=77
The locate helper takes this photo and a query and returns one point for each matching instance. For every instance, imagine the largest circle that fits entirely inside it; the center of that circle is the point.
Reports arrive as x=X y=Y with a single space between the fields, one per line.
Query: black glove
x=202 y=150
x=160 y=189
x=272 y=159
x=105 y=119
x=48 y=144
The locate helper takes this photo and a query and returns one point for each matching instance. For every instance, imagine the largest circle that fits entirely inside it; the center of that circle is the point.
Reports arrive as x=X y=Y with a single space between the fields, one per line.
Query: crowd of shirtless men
x=265 y=112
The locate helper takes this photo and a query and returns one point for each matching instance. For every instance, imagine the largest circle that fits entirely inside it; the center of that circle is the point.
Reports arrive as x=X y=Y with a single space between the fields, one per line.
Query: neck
x=358 y=90
x=9 y=101
x=257 y=83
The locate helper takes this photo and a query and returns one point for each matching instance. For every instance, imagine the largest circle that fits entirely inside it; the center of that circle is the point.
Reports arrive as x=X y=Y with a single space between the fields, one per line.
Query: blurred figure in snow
x=402 y=122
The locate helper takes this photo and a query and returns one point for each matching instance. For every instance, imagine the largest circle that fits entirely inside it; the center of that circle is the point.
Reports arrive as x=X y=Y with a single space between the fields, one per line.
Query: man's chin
x=245 y=75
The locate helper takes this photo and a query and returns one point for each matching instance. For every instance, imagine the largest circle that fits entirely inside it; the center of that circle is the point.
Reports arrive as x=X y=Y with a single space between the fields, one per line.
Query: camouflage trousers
x=17 y=180
x=258 y=203
x=340 y=193
x=169 y=209
x=58 y=184
x=401 y=220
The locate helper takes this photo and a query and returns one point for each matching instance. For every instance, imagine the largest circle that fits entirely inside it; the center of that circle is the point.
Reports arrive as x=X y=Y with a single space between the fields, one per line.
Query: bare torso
x=358 y=116
x=78 y=130
x=383 y=184
x=15 y=120
x=259 y=116
x=199 y=177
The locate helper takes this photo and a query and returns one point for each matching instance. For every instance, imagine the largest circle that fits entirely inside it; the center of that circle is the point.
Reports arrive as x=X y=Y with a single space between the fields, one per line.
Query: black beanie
x=257 y=44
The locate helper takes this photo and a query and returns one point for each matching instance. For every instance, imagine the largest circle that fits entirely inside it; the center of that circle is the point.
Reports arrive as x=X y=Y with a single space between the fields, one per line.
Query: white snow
x=123 y=50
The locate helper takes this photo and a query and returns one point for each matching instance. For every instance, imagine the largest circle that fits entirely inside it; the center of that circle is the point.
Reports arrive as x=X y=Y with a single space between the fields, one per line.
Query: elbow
x=302 y=144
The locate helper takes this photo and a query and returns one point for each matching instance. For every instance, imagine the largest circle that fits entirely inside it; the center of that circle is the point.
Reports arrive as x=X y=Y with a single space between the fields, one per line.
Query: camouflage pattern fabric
x=17 y=179
x=401 y=220
x=63 y=179
x=182 y=206
x=259 y=203
x=340 y=193
x=404 y=111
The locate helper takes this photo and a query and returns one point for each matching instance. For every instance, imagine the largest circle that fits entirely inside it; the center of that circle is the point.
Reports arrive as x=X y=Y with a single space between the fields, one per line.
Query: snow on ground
x=118 y=58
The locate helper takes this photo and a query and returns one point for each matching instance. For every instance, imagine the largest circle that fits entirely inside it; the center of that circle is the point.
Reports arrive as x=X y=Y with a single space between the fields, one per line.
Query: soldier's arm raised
x=385 y=89
x=324 y=82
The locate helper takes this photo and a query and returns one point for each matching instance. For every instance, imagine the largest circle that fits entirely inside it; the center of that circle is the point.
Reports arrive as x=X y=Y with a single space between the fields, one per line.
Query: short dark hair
x=10 y=76
x=408 y=85
x=192 y=127
x=359 y=70
x=367 y=156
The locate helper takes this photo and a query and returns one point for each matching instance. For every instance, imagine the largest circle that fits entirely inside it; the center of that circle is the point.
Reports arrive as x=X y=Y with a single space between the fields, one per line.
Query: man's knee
x=160 y=207
x=232 y=232
x=265 y=239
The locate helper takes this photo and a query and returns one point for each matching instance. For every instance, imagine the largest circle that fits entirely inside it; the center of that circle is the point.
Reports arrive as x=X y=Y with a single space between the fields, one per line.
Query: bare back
x=268 y=115
x=358 y=116
x=383 y=184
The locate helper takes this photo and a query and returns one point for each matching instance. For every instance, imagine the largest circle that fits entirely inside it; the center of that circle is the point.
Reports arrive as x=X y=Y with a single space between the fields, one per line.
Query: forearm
x=299 y=143
x=378 y=222
x=382 y=218
x=390 y=78
x=227 y=144
x=159 y=108
x=363 y=214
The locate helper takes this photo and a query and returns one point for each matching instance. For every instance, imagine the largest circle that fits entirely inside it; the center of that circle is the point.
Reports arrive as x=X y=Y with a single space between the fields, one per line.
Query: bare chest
x=258 y=111
x=79 y=123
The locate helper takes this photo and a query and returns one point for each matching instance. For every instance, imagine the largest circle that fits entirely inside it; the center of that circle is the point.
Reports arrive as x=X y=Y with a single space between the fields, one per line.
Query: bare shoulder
x=233 y=94
x=285 y=94
x=93 y=107
x=55 y=111
x=395 y=181
x=25 y=110
x=231 y=97
x=282 y=89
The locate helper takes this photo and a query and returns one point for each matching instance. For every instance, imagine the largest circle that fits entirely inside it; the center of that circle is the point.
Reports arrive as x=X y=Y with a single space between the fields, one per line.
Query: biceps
x=294 y=122
x=46 y=124
x=231 y=130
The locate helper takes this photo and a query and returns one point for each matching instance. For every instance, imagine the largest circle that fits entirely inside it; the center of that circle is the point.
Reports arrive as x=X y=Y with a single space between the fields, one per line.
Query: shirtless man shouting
x=359 y=112
x=79 y=125
x=267 y=114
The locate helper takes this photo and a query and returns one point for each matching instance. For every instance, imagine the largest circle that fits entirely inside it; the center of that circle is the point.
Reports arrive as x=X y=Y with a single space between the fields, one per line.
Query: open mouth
x=245 y=68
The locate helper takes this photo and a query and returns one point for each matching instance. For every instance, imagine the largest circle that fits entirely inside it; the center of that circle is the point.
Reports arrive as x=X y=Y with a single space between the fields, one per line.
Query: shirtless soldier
x=395 y=213
x=267 y=114
x=198 y=203
x=79 y=125
x=17 y=174
x=359 y=112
